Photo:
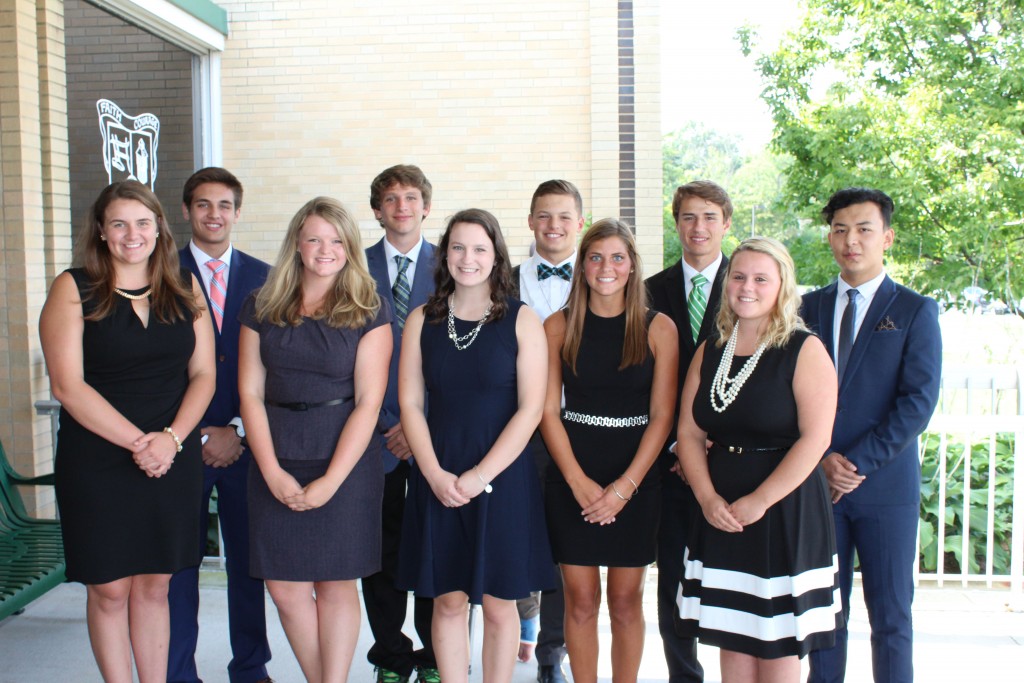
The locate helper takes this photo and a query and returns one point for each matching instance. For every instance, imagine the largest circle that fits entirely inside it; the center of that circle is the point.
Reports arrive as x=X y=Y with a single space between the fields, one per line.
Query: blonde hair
x=634 y=347
x=171 y=297
x=784 y=319
x=352 y=301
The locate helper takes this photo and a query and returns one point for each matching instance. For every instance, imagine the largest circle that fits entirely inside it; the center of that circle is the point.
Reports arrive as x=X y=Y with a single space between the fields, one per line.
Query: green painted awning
x=205 y=11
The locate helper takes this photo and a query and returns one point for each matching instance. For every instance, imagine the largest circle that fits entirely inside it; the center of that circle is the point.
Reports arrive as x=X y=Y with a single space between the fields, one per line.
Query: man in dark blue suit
x=402 y=263
x=887 y=346
x=212 y=203
x=688 y=292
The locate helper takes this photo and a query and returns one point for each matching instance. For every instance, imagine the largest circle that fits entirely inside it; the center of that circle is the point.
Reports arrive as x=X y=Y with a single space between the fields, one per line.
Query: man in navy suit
x=212 y=203
x=402 y=263
x=886 y=343
x=703 y=213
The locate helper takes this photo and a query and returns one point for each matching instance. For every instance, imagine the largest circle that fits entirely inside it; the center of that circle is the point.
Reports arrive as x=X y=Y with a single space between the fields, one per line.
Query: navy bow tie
x=564 y=271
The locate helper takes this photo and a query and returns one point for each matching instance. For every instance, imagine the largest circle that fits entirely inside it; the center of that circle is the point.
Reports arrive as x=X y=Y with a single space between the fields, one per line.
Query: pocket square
x=886 y=325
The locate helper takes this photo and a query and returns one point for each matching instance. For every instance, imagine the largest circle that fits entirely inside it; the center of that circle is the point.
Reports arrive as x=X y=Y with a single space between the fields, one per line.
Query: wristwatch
x=240 y=432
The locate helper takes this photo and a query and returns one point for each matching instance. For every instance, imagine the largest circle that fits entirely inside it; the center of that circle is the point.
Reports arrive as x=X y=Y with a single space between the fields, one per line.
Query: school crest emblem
x=129 y=144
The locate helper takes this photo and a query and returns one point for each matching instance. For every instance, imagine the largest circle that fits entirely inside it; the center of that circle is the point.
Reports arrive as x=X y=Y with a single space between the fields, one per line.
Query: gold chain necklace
x=134 y=297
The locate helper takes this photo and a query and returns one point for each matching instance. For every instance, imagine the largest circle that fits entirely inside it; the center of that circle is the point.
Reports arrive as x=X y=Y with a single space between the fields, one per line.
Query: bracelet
x=636 y=489
x=616 y=492
x=487 y=487
x=177 y=441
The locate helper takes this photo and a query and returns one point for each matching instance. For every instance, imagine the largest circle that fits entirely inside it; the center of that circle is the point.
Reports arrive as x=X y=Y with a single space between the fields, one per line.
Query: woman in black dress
x=760 y=577
x=313 y=367
x=474 y=521
x=618 y=362
x=131 y=360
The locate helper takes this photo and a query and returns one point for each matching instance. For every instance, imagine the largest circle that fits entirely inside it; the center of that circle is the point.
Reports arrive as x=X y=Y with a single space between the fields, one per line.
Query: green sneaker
x=427 y=675
x=385 y=676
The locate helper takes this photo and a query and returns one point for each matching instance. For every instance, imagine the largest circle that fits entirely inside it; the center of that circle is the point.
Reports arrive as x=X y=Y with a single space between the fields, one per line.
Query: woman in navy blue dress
x=474 y=525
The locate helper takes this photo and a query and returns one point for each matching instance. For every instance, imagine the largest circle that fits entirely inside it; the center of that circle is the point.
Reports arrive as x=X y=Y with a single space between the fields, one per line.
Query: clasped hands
x=154 y=453
x=455 y=491
x=300 y=498
x=732 y=517
x=598 y=505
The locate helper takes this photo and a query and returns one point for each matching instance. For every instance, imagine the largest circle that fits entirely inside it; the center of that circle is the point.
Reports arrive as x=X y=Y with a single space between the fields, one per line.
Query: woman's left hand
x=154 y=453
x=748 y=509
x=315 y=494
x=603 y=510
x=469 y=484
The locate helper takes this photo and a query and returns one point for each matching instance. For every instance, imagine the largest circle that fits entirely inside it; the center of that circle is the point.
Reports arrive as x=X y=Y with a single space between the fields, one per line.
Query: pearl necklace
x=462 y=343
x=723 y=389
x=134 y=297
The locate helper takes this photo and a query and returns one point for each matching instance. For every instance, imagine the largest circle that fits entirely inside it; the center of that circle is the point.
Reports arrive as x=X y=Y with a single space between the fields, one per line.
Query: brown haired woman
x=133 y=367
x=474 y=525
x=618 y=363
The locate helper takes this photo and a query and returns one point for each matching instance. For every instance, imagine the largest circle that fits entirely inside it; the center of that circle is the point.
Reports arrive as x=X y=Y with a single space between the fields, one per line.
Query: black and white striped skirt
x=771 y=590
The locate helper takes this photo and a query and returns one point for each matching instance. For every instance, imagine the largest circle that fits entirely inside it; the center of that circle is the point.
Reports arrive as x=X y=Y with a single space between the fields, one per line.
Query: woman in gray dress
x=313 y=367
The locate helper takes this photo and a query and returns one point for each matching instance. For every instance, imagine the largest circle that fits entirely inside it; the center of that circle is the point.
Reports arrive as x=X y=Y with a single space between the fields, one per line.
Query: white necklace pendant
x=725 y=389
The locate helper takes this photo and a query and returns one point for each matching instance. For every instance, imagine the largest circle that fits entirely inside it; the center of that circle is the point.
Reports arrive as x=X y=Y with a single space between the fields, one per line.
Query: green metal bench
x=31 y=549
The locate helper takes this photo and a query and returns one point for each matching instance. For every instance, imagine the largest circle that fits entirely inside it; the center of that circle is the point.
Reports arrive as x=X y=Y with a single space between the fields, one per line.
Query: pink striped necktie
x=218 y=290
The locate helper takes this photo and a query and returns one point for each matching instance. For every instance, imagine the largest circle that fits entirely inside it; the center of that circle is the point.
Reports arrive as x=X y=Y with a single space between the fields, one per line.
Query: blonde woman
x=759 y=571
x=131 y=360
x=314 y=352
x=618 y=362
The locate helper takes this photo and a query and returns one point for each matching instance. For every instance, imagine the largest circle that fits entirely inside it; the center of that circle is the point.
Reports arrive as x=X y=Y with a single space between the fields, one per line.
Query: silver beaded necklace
x=723 y=389
x=462 y=343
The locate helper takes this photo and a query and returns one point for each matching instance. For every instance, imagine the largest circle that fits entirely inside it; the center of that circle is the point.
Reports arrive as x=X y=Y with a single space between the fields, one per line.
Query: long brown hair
x=351 y=302
x=171 y=297
x=501 y=275
x=634 y=347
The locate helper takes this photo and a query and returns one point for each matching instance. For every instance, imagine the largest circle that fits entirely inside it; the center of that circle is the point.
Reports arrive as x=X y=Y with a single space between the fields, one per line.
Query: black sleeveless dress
x=117 y=521
x=771 y=590
x=497 y=544
x=604 y=449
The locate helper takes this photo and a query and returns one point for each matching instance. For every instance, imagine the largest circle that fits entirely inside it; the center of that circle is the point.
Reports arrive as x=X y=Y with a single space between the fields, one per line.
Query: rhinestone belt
x=601 y=421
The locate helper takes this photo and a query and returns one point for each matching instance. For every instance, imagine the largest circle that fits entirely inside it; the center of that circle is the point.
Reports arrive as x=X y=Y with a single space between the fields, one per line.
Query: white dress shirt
x=711 y=272
x=543 y=296
x=414 y=254
x=865 y=295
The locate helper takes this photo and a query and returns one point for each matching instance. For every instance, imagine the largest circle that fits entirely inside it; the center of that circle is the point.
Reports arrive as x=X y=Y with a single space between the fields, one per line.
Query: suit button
x=222 y=358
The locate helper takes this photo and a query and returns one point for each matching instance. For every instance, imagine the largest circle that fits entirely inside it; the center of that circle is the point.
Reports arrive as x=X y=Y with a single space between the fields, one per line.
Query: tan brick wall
x=33 y=163
x=490 y=99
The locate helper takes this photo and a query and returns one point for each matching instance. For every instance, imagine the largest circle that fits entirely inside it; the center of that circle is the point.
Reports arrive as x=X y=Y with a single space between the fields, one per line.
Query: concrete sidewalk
x=961 y=635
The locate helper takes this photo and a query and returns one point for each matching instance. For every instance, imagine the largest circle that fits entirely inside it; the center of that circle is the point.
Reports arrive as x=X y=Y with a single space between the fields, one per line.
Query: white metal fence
x=972 y=522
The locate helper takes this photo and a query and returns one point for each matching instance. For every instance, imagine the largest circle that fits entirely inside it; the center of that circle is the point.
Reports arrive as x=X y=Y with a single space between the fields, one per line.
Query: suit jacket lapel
x=376 y=263
x=677 y=302
x=711 y=312
x=827 y=318
x=237 y=291
x=423 y=281
x=881 y=302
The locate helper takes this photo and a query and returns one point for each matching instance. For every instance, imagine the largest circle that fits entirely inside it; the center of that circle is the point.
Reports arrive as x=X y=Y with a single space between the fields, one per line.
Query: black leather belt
x=300 y=406
x=738 y=450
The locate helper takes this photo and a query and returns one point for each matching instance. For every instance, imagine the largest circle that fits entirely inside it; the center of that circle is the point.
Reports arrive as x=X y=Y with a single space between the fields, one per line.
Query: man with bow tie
x=887 y=347
x=543 y=281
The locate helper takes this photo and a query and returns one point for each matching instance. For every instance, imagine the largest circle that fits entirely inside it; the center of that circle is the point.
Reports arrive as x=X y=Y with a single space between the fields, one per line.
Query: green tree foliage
x=925 y=100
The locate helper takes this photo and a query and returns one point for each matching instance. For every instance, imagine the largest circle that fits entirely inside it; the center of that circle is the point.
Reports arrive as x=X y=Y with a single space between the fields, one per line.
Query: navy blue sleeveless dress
x=498 y=543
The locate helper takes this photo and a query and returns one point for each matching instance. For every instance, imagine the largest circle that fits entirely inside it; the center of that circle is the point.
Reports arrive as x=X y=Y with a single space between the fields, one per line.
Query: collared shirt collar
x=711 y=272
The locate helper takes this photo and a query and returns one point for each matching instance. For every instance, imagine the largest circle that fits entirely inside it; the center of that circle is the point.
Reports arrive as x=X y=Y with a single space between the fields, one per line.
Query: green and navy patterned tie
x=697 y=302
x=401 y=290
